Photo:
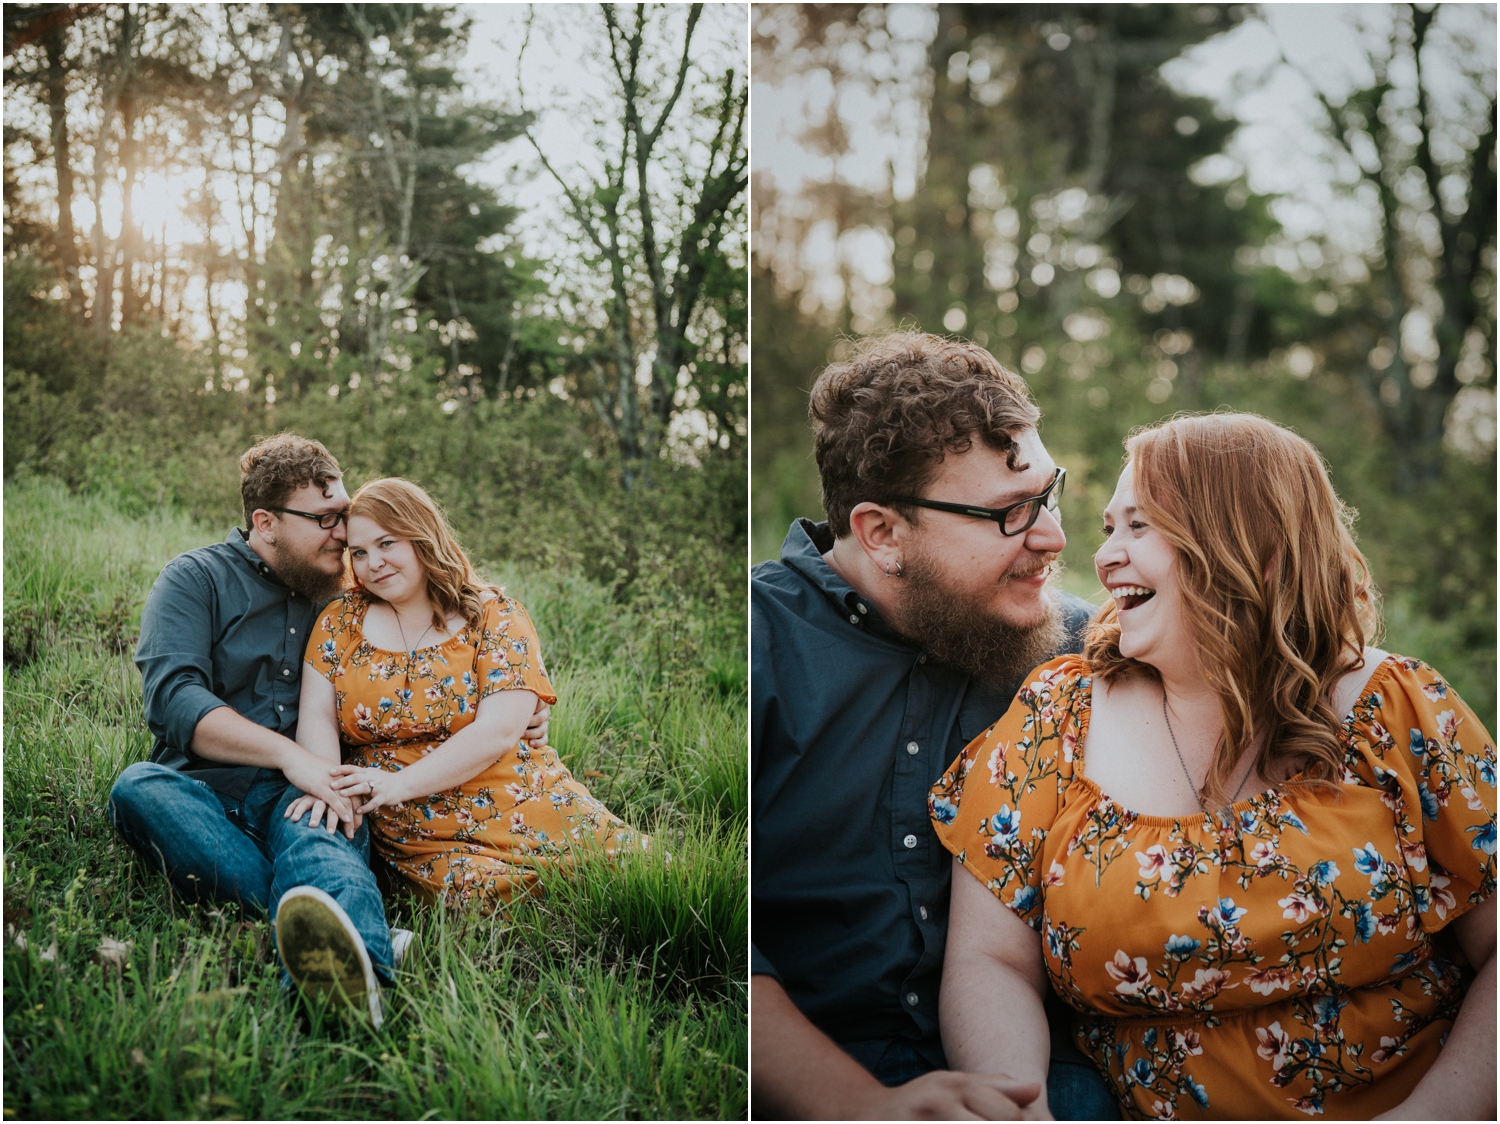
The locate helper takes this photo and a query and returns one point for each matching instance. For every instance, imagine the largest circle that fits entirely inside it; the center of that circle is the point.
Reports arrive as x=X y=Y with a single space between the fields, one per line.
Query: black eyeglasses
x=1014 y=519
x=328 y=520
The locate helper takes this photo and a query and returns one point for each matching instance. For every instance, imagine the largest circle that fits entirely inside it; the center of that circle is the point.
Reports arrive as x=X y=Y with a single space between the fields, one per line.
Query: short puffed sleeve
x=997 y=801
x=333 y=633
x=508 y=657
x=1435 y=762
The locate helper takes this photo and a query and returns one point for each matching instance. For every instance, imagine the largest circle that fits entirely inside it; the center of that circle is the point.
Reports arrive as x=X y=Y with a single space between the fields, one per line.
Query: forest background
x=1153 y=208
x=227 y=221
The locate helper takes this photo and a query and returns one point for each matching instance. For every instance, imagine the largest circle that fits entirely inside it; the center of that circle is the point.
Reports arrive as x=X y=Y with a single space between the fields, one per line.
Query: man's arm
x=176 y=661
x=800 y=1073
x=226 y=736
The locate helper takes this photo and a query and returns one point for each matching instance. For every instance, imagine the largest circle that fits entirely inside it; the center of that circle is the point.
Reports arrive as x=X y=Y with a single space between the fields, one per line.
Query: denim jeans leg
x=180 y=826
x=1076 y=1091
x=899 y=1064
x=340 y=867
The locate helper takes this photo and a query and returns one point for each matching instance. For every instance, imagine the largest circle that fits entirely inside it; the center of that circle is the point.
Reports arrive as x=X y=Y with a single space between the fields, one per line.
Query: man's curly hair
x=278 y=466
x=885 y=418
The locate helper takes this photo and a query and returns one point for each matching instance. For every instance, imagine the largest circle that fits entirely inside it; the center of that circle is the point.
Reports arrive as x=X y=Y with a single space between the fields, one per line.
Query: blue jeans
x=1075 y=1091
x=216 y=848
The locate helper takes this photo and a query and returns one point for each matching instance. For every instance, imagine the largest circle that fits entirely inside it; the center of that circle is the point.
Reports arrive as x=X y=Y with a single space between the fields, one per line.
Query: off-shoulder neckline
x=1084 y=712
x=361 y=606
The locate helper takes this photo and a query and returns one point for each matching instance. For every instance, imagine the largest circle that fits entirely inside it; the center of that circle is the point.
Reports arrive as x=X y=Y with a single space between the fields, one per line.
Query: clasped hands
x=333 y=801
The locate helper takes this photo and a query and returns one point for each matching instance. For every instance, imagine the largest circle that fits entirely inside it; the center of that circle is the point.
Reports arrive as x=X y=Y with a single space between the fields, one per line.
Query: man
x=882 y=642
x=230 y=807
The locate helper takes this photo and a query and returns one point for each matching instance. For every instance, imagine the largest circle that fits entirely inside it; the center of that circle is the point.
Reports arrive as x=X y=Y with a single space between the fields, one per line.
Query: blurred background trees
x=225 y=221
x=1103 y=197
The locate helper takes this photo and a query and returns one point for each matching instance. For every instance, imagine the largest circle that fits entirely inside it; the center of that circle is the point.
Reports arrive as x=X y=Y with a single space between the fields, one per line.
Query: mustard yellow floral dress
x=483 y=840
x=1279 y=961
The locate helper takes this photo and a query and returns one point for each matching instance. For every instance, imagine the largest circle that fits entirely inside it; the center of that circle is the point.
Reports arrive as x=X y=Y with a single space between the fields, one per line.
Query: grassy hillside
x=619 y=994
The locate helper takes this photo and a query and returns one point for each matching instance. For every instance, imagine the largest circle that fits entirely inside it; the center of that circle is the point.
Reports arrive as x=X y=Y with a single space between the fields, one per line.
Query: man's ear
x=881 y=533
x=264 y=523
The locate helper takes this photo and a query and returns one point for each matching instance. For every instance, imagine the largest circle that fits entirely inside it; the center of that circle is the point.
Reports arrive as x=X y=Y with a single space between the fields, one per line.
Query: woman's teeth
x=1129 y=596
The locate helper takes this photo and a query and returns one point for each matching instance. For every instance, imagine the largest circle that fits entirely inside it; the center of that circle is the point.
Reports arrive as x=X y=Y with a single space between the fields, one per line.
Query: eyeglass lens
x=1021 y=518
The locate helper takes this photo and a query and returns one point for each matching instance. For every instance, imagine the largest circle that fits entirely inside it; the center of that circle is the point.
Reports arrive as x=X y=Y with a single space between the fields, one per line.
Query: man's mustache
x=1029 y=567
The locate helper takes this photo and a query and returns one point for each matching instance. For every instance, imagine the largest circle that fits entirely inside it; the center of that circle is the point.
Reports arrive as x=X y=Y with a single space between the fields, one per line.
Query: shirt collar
x=806 y=543
x=240 y=542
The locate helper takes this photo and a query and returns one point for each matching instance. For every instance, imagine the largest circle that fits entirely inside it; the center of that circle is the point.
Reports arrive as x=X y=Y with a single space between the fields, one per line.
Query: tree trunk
x=57 y=106
x=129 y=236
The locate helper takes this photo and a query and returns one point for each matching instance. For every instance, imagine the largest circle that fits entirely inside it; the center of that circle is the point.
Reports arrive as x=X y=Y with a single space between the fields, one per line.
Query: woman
x=1238 y=840
x=429 y=677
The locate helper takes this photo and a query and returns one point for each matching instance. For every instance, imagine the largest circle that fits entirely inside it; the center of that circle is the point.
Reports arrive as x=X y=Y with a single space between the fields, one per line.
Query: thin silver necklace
x=411 y=648
x=1183 y=763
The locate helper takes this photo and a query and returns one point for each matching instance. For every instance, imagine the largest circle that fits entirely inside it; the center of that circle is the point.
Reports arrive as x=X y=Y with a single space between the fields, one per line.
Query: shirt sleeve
x=329 y=638
x=760 y=966
x=997 y=801
x=1431 y=748
x=508 y=657
x=174 y=654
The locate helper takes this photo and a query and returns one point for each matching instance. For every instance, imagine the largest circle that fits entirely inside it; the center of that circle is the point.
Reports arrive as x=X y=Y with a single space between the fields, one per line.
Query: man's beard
x=960 y=630
x=317 y=585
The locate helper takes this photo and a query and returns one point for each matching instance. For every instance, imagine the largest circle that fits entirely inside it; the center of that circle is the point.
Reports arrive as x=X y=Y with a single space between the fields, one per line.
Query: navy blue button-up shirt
x=220 y=629
x=851 y=724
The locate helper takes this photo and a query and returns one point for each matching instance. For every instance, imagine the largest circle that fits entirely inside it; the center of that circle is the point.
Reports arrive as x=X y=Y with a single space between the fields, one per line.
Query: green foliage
x=619 y=994
x=1080 y=297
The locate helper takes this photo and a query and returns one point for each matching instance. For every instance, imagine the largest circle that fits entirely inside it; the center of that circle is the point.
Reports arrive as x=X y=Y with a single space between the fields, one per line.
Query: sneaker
x=400 y=941
x=323 y=951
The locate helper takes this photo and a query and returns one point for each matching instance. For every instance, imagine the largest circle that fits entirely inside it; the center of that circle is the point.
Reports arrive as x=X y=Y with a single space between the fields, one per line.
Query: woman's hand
x=376 y=787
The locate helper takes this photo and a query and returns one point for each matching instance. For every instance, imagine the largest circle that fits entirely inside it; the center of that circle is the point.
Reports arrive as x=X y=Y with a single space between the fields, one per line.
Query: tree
x=1425 y=320
x=658 y=205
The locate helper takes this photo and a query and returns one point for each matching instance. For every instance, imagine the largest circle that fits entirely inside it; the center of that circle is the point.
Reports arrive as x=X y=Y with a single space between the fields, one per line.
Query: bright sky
x=565 y=78
x=1278 y=146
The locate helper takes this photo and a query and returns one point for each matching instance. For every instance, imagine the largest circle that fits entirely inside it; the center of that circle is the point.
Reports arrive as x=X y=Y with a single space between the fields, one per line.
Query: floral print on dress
x=1269 y=961
x=485 y=839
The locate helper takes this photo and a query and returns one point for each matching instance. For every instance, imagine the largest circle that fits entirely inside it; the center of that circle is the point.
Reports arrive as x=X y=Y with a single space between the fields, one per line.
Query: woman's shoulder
x=498 y=610
x=339 y=612
x=1062 y=676
x=1396 y=682
x=1406 y=703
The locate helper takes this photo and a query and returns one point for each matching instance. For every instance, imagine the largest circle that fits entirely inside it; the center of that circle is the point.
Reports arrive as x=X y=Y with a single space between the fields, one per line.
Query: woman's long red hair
x=1278 y=600
x=401 y=508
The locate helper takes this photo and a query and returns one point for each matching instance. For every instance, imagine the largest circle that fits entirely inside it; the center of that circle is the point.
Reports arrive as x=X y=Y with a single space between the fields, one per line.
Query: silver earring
x=888 y=573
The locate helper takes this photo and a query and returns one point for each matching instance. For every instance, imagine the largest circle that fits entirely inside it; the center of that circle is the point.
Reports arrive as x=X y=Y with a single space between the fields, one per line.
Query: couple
x=258 y=676
x=1230 y=861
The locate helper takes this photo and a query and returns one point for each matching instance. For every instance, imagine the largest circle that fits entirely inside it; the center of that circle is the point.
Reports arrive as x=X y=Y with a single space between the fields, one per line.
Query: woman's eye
x=1106 y=531
x=1138 y=526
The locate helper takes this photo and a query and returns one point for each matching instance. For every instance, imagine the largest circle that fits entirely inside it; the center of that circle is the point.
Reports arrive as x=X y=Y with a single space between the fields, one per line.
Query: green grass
x=618 y=994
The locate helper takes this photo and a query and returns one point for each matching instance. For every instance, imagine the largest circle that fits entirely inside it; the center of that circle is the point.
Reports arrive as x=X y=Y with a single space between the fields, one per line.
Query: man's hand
x=946 y=1095
x=300 y=806
x=312 y=775
x=536 y=731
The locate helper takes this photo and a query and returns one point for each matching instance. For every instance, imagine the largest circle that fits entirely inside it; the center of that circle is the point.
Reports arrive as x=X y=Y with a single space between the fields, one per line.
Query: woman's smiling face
x=383 y=564
x=1138 y=565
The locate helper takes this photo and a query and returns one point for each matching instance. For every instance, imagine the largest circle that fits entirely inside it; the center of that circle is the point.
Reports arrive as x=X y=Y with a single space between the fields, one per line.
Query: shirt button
x=294 y=632
x=924 y=913
x=911 y=998
x=922 y=658
x=286 y=671
x=862 y=607
x=853 y=619
x=912 y=748
x=922 y=909
x=910 y=841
